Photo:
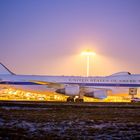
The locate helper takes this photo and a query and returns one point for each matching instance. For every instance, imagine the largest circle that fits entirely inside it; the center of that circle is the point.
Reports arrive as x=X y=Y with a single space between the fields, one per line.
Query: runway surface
x=44 y=104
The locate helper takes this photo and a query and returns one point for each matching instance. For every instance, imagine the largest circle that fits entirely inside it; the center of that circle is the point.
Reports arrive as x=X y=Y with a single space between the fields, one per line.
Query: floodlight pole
x=88 y=57
x=87 y=54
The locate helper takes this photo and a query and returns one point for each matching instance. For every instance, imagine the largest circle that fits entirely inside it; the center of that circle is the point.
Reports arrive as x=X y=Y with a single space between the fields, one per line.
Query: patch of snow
x=1 y=122
x=100 y=126
x=27 y=126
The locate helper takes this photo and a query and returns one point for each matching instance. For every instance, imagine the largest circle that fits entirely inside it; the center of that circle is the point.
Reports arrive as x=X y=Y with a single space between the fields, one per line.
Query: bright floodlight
x=88 y=53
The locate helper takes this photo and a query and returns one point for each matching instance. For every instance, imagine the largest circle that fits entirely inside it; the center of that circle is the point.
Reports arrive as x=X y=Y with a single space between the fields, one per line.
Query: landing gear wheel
x=69 y=99
x=79 y=100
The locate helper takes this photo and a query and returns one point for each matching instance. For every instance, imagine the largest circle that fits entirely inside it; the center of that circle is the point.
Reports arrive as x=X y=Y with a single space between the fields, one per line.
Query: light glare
x=88 y=53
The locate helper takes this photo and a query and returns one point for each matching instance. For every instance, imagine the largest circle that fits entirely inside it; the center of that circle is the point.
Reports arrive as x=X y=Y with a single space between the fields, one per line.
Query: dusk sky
x=46 y=37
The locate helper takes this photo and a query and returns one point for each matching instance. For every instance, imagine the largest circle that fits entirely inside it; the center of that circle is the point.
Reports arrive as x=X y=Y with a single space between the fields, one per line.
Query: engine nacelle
x=99 y=94
x=70 y=90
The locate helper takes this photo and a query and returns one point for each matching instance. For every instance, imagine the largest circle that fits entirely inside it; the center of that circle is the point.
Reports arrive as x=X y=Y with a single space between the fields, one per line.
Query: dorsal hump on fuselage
x=121 y=73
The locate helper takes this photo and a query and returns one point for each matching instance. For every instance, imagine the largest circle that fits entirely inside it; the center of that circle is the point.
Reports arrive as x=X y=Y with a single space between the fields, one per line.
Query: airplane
x=72 y=86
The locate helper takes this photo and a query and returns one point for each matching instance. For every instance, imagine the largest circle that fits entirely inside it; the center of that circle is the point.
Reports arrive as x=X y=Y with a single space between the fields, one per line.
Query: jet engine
x=99 y=94
x=70 y=90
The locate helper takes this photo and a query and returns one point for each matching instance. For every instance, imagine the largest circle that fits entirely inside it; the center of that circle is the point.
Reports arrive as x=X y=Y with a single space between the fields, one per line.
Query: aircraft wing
x=48 y=84
x=60 y=86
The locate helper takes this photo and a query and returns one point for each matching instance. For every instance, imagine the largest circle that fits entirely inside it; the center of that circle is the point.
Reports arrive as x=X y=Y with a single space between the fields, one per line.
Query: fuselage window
x=132 y=81
x=91 y=80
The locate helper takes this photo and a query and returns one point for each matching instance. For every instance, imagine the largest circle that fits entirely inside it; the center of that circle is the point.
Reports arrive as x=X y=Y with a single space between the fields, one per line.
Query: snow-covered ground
x=69 y=123
x=76 y=128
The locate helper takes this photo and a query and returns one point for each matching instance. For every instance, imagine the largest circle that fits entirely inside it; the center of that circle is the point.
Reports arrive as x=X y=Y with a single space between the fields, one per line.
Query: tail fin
x=4 y=70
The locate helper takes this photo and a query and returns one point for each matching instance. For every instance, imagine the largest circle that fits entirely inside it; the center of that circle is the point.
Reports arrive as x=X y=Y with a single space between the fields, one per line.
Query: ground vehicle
x=135 y=100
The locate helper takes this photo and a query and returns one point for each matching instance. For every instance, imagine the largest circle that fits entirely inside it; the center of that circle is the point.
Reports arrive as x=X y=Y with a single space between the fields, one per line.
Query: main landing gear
x=79 y=100
x=70 y=99
x=73 y=99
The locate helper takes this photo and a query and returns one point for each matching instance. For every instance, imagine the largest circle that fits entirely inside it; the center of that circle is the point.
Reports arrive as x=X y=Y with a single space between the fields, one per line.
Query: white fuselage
x=96 y=87
x=115 y=83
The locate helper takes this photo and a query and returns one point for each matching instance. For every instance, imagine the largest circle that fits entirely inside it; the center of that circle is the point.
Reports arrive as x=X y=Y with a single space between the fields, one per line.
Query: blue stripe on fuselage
x=107 y=84
x=81 y=84
x=18 y=83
